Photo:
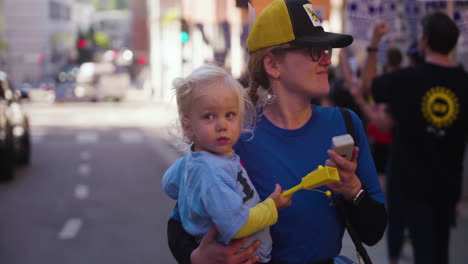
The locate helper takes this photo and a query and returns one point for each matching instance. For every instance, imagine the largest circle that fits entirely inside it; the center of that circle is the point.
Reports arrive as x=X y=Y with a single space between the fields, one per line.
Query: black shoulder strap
x=348 y=122
x=339 y=201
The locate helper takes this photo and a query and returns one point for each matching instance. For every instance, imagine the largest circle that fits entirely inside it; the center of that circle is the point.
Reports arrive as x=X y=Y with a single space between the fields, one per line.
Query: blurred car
x=7 y=152
x=66 y=83
x=64 y=91
x=106 y=79
x=17 y=120
x=114 y=85
x=86 y=80
x=24 y=89
x=68 y=73
x=42 y=91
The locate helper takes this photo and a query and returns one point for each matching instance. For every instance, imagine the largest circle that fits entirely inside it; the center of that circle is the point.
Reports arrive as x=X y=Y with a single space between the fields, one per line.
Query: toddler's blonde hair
x=189 y=88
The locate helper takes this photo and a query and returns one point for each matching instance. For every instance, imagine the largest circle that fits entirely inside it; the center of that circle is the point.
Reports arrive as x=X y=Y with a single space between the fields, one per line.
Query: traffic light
x=142 y=60
x=184 y=32
x=83 y=49
x=82 y=43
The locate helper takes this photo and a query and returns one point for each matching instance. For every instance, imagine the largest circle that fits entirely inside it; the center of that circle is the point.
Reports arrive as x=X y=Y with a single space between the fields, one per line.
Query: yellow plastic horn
x=320 y=176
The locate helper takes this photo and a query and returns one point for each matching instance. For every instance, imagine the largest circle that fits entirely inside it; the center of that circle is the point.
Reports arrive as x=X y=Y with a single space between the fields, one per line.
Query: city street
x=92 y=193
x=88 y=115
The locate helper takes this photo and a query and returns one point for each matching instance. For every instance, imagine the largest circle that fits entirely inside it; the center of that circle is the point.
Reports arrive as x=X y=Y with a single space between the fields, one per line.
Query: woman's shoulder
x=335 y=114
x=331 y=112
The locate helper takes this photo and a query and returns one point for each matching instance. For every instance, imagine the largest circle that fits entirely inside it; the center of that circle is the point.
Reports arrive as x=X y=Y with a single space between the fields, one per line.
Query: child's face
x=214 y=122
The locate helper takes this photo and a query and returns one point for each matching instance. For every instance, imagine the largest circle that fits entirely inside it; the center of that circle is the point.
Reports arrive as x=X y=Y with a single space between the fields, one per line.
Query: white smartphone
x=343 y=145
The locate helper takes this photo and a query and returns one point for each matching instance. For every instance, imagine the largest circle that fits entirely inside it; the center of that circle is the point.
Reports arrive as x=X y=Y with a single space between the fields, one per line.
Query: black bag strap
x=340 y=202
x=348 y=122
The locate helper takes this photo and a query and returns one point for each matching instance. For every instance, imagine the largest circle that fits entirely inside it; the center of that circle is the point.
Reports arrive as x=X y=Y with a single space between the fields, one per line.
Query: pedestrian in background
x=429 y=110
x=378 y=127
x=377 y=130
x=348 y=73
x=290 y=54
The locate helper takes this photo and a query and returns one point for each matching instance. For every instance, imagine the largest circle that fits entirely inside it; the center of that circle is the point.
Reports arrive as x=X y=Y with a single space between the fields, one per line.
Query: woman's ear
x=270 y=64
x=187 y=128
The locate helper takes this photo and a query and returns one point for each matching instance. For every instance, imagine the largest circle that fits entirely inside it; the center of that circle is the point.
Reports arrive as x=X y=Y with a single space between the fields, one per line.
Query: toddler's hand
x=280 y=201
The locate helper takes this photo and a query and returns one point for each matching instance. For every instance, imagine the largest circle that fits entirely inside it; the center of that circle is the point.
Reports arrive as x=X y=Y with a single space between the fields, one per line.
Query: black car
x=7 y=152
x=17 y=120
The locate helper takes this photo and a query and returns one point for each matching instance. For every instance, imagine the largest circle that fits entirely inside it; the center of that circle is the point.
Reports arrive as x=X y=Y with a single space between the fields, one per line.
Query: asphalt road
x=92 y=193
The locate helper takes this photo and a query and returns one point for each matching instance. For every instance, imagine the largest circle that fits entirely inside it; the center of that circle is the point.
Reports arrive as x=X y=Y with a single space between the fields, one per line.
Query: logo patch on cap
x=312 y=15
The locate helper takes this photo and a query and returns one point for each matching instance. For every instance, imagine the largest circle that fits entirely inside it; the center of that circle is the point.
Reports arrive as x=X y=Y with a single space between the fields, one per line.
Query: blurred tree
x=102 y=40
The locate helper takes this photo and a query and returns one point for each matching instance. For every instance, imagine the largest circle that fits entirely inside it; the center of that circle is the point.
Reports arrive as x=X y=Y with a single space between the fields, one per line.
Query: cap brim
x=325 y=39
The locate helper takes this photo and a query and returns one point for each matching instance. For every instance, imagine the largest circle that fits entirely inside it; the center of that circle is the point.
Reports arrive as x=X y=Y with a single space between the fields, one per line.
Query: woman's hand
x=280 y=201
x=211 y=252
x=349 y=184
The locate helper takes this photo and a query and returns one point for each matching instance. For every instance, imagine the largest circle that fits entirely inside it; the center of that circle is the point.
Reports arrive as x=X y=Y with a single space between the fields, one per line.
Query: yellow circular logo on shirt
x=440 y=106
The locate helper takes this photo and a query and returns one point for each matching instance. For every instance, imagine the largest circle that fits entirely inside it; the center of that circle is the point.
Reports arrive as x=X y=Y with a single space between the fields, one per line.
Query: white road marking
x=71 y=228
x=85 y=155
x=79 y=120
x=84 y=169
x=130 y=136
x=87 y=137
x=81 y=191
x=112 y=118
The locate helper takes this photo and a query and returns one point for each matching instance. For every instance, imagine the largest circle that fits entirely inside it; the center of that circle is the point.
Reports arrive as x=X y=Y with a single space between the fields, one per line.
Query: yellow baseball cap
x=295 y=22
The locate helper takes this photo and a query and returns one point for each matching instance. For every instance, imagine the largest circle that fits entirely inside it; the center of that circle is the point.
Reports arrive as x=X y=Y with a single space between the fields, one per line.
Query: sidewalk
x=458 y=242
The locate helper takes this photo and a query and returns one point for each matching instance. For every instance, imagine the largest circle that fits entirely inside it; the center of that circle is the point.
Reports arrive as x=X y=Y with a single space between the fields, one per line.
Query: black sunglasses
x=315 y=53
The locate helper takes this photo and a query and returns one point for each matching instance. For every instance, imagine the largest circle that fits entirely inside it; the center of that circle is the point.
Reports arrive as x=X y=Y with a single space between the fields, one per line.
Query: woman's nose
x=325 y=59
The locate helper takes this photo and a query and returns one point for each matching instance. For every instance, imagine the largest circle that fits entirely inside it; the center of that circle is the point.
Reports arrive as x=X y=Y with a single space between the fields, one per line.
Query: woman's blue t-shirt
x=311 y=229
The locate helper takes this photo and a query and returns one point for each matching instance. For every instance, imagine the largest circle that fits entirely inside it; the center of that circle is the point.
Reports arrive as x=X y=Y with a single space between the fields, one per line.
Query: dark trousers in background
x=428 y=225
x=396 y=227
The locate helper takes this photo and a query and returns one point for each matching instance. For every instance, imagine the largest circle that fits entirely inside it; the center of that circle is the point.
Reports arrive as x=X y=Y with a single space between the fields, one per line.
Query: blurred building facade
x=39 y=37
x=139 y=43
x=114 y=24
x=139 y=40
x=184 y=34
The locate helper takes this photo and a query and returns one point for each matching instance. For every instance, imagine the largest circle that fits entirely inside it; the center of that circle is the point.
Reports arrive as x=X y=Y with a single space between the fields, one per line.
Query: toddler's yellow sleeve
x=262 y=215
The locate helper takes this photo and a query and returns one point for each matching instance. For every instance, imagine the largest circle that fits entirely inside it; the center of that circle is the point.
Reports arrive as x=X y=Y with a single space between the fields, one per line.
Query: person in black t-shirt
x=377 y=127
x=429 y=109
x=348 y=74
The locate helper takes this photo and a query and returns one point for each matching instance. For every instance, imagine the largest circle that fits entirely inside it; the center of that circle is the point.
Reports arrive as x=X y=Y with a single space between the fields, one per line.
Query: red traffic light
x=41 y=58
x=142 y=60
x=82 y=43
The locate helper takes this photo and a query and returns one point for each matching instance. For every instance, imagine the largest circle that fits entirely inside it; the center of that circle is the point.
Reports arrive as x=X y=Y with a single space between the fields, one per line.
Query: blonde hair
x=189 y=88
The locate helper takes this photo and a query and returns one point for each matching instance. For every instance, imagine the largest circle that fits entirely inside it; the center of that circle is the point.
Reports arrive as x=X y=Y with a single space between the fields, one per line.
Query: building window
x=242 y=3
x=59 y=11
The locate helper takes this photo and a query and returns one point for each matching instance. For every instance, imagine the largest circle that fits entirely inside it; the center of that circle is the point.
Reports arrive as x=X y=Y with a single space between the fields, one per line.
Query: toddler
x=209 y=182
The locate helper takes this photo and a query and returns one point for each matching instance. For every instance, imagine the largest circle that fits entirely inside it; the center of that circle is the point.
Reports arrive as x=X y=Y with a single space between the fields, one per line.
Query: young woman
x=289 y=58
